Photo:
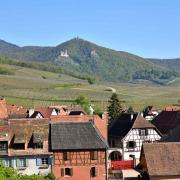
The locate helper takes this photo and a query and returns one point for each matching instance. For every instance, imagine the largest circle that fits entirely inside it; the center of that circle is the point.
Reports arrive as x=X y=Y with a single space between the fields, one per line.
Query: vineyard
x=31 y=87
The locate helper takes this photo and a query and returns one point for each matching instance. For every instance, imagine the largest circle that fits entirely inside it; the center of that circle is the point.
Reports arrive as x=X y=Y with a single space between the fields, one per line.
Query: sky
x=148 y=28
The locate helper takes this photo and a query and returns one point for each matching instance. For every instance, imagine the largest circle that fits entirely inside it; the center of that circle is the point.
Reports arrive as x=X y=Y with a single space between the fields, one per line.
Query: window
x=93 y=155
x=66 y=172
x=93 y=172
x=42 y=161
x=3 y=145
x=38 y=146
x=21 y=163
x=131 y=144
x=6 y=162
x=66 y=156
x=19 y=146
x=143 y=132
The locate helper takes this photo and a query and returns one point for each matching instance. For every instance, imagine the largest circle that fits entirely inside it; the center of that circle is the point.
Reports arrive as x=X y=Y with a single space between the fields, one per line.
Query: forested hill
x=89 y=59
x=172 y=64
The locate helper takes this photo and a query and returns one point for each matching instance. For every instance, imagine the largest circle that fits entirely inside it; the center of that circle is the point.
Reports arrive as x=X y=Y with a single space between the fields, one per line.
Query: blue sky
x=149 y=28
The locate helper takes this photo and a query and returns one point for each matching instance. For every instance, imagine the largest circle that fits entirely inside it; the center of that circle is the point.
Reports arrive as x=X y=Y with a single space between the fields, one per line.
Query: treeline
x=153 y=74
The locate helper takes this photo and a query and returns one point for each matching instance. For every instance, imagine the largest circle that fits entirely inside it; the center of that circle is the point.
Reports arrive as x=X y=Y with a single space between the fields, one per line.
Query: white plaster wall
x=32 y=168
x=133 y=135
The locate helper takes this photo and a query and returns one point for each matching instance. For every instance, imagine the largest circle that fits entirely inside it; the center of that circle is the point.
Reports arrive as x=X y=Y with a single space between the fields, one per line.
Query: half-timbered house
x=79 y=151
x=126 y=135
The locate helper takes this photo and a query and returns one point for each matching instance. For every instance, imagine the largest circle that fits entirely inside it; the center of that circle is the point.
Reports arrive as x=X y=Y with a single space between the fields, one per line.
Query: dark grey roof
x=166 y=121
x=122 y=125
x=172 y=136
x=72 y=135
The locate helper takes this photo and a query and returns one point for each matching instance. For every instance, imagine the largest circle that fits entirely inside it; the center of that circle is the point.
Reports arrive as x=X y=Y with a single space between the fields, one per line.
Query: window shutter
x=95 y=155
x=96 y=172
x=38 y=162
x=49 y=161
x=91 y=172
x=26 y=165
x=68 y=156
x=62 y=172
x=71 y=171
x=18 y=164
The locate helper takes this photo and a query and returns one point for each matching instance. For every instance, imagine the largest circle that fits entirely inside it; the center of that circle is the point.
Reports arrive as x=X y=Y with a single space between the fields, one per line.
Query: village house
x=166 y=121
x=150 y=113
x=126 y=135
x=48 y=112
x=24 y=145
x=160 y=161
x=100 y=122
x=43 y=112
x=79 y=151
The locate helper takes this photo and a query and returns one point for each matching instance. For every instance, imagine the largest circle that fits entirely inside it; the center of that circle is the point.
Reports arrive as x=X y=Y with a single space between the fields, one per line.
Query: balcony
x=120 y=165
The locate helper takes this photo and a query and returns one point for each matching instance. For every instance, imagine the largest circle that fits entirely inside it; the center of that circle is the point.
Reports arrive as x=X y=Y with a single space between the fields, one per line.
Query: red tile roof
x=172 y=108
x=45 y=111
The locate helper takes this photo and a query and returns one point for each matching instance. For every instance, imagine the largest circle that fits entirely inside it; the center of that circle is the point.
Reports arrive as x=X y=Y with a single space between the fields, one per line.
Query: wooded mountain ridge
x=82 y=57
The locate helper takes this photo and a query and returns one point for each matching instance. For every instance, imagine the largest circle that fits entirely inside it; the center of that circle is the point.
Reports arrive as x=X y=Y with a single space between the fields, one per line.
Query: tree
x=12 y=174
x=84 y=102
x=130 y=110
x=114 y=108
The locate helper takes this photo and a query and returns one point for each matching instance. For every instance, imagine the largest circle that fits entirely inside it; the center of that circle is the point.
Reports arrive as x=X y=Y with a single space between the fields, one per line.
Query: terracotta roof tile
x=162 y=159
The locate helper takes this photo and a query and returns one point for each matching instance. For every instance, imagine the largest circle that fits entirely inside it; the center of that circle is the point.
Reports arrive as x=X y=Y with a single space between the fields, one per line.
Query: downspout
x=106 y=164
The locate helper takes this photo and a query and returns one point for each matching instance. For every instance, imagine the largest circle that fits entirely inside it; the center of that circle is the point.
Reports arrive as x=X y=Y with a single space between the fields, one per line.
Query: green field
x=30 y=87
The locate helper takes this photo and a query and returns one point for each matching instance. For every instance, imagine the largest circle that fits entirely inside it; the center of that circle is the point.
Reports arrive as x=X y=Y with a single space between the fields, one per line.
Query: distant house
x=79 y=151
x=126 y=135
x=166 y=121
x=11 y=111
x=24 y=145
x=172 y=108
x=150 y=113
x=160 y=161
x=43 y=112
x=15 y=111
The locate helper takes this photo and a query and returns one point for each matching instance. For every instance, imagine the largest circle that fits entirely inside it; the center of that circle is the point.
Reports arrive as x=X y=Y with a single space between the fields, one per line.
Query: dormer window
x=19 y=142
x=38 y=139
x=3 y=146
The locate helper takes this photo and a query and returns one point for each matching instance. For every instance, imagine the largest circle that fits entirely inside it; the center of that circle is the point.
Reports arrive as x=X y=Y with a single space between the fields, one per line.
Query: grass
x=30 y=87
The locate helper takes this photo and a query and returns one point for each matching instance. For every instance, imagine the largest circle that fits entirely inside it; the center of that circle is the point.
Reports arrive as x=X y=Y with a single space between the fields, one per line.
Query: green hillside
x=172 y=64
x=90 y=60
x=32 y=87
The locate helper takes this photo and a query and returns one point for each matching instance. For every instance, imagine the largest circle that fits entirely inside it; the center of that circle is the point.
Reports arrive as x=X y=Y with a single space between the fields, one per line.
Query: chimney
x=105 y=116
